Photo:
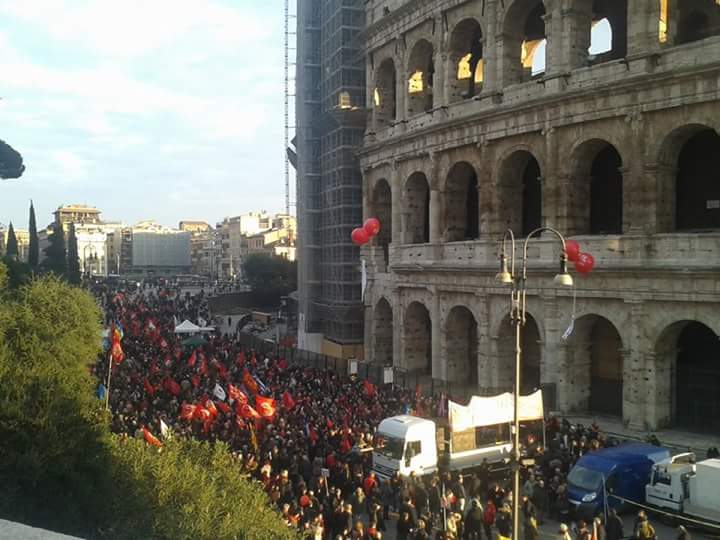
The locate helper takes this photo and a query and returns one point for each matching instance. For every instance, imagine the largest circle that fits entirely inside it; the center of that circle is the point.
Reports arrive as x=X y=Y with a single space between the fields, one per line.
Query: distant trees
x=11 y=250
x=73 y=258
x=270 y=274
x=56 y=254
x=11 y=162
x=34 y=247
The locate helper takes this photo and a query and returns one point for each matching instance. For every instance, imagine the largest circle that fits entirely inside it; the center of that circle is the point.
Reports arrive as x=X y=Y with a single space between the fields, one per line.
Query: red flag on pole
x=236 y=394
x=150 y=438
x=116 y=352
x=370 y=389
x=224 y=407
x=249 y=382
x=247 y=412
x=192 y=359
x=288 y=401
x=265 y=406
x=187 y=411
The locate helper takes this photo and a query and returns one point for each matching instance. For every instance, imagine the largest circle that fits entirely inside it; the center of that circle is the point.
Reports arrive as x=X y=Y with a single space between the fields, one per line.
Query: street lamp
x=517 y=318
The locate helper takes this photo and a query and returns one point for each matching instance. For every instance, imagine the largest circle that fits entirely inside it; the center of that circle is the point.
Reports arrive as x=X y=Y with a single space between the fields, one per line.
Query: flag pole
x=107 y=389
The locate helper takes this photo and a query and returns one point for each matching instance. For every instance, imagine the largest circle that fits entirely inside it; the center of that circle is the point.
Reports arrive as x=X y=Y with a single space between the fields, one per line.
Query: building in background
x=23 y=242
x=204 y=247
x=159 y=250
x=78 y=214
x=330 y=122
x=477 y=127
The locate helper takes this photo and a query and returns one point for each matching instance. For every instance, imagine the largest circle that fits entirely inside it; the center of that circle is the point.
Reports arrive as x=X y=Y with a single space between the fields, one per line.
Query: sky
x=161 y=109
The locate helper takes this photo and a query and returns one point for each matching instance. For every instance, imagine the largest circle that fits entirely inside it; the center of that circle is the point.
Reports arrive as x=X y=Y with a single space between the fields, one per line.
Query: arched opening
x=595 y=350
x=461 y=199
x=530 y=358
x=606 y=192
x=520 y=192
x=421 y=70
x=608 y=31
x=384 y=95
x=697 y=188
x=691 y=351
x=524 y=41
x=383 y=333
x=461 y=336
x=696 y=20
x=595 y=205
x=418 y=339
x=382 y=209
x=417 y=209
x=465 y=61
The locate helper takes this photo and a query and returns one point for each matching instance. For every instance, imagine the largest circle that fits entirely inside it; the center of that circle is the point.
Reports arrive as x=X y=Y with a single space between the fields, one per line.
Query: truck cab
x=406 y=444
x=669 y=482
x=622 y=470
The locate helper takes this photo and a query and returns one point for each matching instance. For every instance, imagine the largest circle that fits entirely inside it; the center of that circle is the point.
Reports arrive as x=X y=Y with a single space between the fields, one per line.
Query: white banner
x=487 y=411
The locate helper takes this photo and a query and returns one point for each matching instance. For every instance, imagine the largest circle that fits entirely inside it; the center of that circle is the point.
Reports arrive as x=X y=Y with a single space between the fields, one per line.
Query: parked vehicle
x=621 y=470
x=465 y=439
x=687 y=488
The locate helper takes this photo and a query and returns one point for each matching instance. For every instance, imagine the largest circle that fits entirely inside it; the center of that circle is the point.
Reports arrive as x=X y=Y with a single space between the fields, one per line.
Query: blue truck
x=621 y=470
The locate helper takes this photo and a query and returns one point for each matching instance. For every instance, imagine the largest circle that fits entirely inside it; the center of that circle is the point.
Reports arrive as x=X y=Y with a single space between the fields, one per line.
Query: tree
x=34 y=248
x=73 y=264
x=11 y=162
x=12 y=244
x=270 y=274
x=55 y=254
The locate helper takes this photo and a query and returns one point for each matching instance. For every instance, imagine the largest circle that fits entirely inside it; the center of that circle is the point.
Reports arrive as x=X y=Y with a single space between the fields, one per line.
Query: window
x=415 y=83
x=492 y=435
x=413 y=448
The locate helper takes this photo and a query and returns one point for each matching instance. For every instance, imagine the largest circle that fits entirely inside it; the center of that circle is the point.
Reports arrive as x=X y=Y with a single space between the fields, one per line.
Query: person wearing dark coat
x=404 y=526
x=614 y=527
x=474 y=522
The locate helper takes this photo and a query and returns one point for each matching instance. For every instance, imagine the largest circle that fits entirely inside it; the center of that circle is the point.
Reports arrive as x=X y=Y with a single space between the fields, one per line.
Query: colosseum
x=599 y=118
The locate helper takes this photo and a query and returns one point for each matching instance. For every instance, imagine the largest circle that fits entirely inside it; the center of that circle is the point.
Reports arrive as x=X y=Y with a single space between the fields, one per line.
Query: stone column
x=555 y=62
x=398 y=330
x=638 y=197
x=436 y=332
x=491 y=75
x=396 y=187
x=439 y=79
x=658 y=409
x=635 y=381
x=550 y=195
x=436 y=201
x=659 y=183
x=643 y=17
x=577 y=21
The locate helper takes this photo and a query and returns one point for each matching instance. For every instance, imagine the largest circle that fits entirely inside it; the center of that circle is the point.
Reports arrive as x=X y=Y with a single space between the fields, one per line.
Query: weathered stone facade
x=620 y=152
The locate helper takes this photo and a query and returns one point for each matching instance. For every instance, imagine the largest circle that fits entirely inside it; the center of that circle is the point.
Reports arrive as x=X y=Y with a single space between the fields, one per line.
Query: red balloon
x=572 y=250
x=360 y=236
x=585 y=263
x=372 y=226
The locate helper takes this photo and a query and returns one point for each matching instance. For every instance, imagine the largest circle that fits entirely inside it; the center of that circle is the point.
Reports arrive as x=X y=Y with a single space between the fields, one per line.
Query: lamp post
x=517 y=318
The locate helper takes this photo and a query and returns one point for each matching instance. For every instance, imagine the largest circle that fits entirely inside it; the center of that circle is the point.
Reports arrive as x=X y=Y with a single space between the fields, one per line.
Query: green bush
x=61 y=469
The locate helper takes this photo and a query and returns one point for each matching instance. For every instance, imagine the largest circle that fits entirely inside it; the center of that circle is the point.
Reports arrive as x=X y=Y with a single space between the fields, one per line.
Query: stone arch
x=385 y=94
x=595 y=352
x=519 y=187
x=462 y=203
x=417 y=339
x=598 y=21
x=383 y=333
x=596 y=202
x=696 y=20
x=417 y=209
x=465 y=60
x=421 y=73
x=692 y=349
x=697 y=191
x=531 y=354
x=381 y=208
x=523 y=37
x=461 y=337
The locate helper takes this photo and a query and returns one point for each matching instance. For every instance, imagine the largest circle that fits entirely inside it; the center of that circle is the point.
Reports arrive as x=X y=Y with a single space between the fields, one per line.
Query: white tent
x=186 y=327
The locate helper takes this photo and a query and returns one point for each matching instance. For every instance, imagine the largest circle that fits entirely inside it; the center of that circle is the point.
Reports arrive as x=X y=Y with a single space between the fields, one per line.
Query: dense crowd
x=304 y=433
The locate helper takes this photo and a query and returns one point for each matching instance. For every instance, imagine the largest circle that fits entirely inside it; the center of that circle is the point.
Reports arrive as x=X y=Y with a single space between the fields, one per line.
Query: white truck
x=686 y=488
x=471 y=434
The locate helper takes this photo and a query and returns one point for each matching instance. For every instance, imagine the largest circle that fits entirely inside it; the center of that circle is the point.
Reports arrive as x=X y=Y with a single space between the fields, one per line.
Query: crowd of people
x=304 y=433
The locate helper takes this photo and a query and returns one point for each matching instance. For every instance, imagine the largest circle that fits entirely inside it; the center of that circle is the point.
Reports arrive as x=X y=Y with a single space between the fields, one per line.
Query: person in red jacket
x=369 y=484
x=489 y=518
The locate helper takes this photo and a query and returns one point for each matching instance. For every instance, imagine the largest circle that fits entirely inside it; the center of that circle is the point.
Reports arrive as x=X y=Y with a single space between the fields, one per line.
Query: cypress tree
x=73 y=264
x=11 y=249
x=55 y=254
x=34 y=248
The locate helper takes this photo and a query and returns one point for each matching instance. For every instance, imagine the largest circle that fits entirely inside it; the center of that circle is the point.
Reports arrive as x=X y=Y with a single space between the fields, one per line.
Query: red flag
x=150 y=438
x=265 y=406
x=172 y=386
x=212 y=409
x=240 y=358
x=370 y=389
x=203 y=365
x=282 y=364
x=287 y=400
x=148 y=387
x=249 y=382
x=187 y=411
x=116 y=352
x=192 y=359
x=201 y=413
x=247 y=412
x=222 y=371
x=224 y=407
x=236 y=394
